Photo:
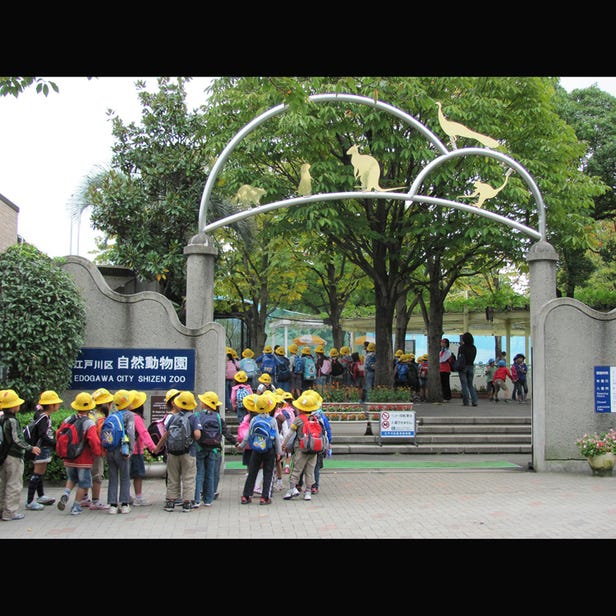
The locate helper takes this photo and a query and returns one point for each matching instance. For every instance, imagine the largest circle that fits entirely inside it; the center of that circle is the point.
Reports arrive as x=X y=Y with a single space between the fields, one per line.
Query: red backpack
x=313 y=437
x=70 y=437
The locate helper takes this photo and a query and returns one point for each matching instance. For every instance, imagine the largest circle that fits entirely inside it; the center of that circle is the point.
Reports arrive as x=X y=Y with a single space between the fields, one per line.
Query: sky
x=49 y=145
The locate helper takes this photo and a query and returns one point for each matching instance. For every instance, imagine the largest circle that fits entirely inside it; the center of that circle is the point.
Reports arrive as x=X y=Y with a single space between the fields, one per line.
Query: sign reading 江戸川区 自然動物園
x=134 y=369
x=605 y=389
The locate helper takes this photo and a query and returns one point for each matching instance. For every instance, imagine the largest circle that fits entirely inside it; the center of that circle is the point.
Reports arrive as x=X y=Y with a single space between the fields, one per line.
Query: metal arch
x=253 y=124
x=493 y=154
x=369 y=195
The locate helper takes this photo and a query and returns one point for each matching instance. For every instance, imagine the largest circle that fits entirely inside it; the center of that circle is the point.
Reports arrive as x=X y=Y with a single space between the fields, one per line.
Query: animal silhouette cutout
x=455 y=129
x=248 y=195
x=366 y=169
x=485 y=191
x=305 y=181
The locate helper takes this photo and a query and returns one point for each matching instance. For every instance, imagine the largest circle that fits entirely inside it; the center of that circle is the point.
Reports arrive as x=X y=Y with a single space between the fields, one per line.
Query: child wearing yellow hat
x=42 y=434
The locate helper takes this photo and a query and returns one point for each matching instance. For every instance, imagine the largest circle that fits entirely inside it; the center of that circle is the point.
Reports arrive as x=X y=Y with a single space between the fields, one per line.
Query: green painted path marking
x=332 y=464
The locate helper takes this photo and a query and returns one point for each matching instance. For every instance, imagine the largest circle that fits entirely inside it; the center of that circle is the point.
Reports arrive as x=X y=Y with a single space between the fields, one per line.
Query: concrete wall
x=573 y=339
x=9 y=213
x=145 y=320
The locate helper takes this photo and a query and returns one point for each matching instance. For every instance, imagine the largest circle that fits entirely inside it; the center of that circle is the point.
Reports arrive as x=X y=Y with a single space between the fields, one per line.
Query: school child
x=489 y=374
x=209 y=453
x=499 y=379
x=49 y=402
x=520 y=387
x=118 y=459
x=12 y=468
x=103 y=399
x=302 y=462
x=289 y=413
x=241 y=388
x=265 y=384
x=422 y=375
x=143 y=440
x=182 y=467
x=264 y=407
x=79 y=469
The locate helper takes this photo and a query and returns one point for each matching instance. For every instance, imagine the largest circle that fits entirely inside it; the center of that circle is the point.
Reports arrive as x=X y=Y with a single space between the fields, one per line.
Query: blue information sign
x=605 y=389
x=134 y=369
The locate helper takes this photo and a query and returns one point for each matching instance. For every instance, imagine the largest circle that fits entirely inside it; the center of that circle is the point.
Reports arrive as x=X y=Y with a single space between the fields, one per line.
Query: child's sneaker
x=97 y=505
x=307 y=495
x=34 y=506
x=186 y=507
x=195 y=504
x=291 y=493
x=62 y=502
x=169 y=505
x=86 y=502
x=76 y=509
x=113 y=509
x=278 y=485
x=140 y=501
x=125 y=509
x=45 y=500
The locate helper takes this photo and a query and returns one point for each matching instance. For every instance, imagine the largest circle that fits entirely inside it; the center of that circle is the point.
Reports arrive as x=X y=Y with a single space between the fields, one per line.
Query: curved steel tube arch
x=274 y=111
x=492 y=154
x=411 y=196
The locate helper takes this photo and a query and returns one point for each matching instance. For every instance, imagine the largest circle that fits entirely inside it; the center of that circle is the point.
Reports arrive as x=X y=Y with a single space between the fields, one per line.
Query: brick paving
x=363 y=504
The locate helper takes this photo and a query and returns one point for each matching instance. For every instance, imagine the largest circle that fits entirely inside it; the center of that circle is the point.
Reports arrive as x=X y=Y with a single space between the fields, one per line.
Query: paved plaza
x=406 y=503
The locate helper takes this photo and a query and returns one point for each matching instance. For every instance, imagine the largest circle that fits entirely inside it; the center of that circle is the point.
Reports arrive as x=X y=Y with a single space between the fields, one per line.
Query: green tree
x=592 y=114
x=14 y=86
x=401 y=248
x=42 y=319
x=147 y=203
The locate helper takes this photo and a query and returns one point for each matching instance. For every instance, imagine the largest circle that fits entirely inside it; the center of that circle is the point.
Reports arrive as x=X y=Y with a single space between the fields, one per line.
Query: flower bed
x=346 y=411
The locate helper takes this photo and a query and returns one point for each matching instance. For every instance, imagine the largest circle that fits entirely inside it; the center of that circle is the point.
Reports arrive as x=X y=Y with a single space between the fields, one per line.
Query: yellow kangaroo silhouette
x=305 y=181
x=455 y=129
x=485 y=191
x=366 y=169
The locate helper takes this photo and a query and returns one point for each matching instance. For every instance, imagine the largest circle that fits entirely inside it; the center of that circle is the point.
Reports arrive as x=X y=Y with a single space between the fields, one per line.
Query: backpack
x=240 y=394
x=452 y=361
x=112 y=431
x=4 y=441
x=423 y=370
x=284 y=370
x=156 y=429
x=249 y=367
x=370 y=362
x=70 y=439
x=337 y=367
x=31 y=431
x=211 y=429
x=180 y=434
x=326 y=367
x=262 y=434
x=298 y=365
x=310 y=369
x=268 y=365
x=313 y=438
x=402 y=374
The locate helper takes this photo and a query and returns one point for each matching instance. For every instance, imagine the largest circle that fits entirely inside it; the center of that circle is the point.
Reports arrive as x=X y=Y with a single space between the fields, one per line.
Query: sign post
x=397 y=424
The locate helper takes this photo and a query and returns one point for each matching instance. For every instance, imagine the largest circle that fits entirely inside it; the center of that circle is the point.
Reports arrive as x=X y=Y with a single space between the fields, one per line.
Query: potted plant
x=599 y=450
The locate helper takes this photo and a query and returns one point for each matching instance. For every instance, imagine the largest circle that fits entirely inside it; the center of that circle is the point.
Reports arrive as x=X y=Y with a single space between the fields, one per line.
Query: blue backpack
x=112 y=431
x=403 y=372
x=240 y=394
x=298 y=365
x=268 y=365
x=262 y=434
x=310 y=369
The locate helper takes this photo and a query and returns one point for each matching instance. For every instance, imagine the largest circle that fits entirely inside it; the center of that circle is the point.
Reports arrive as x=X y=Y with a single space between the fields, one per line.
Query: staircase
x=438 y=435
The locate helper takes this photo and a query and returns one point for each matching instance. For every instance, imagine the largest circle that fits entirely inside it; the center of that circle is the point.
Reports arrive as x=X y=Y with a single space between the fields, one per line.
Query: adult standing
x=466 y=356
x=444 y=367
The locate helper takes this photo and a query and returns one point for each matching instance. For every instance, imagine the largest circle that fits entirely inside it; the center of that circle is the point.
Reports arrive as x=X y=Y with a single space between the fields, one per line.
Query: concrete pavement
x=454 y=502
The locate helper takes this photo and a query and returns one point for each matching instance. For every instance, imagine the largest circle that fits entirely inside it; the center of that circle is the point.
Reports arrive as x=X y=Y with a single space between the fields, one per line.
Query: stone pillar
x=201 y=258
x=542 y=259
